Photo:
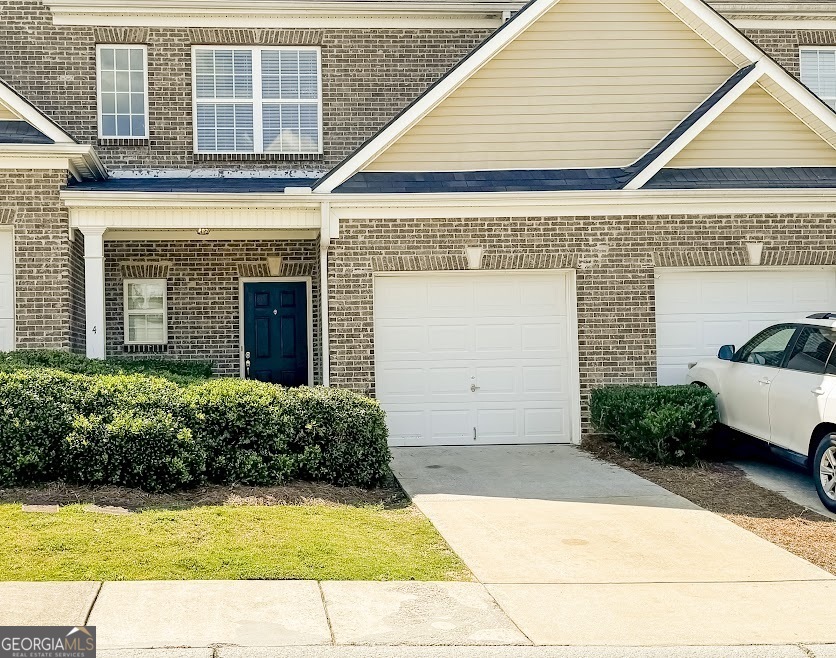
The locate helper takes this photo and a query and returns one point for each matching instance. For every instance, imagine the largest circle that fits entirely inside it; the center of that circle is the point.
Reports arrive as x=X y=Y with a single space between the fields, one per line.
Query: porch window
x=145 y=312
x=257 y=100
x=123 y=92
x=818 y=72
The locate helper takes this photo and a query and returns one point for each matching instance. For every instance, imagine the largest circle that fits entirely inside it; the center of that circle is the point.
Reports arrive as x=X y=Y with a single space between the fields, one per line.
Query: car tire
x=824 y=471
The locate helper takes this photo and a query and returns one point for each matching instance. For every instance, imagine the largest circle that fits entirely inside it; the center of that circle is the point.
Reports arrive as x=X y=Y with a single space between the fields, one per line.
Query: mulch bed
x=294 y=493
x=725 y=490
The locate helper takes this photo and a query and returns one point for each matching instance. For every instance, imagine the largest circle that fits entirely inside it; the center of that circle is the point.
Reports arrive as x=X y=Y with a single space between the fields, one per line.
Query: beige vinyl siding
x=6 y=114
x=593 y=83
x=756 y=131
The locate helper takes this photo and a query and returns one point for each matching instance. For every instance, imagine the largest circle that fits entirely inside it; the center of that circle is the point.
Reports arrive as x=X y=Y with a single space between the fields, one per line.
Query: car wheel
x=824 y=471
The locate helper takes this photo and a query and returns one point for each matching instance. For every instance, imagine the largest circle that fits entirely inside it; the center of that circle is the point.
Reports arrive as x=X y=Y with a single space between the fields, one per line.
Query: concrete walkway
x=785 y=479
x=580 y=552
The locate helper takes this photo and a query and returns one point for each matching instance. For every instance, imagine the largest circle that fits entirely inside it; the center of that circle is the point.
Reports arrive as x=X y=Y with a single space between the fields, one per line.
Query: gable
x=592 y=83
x=6 y=114
x=756 y=131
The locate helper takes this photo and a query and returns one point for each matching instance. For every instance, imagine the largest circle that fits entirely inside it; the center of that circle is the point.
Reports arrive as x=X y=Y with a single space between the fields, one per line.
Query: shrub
x=136 y=448
x=338 y=437
x=156 y=434
x=181 y=371
x=36 y=412
x=664 y=424
x=243 y=427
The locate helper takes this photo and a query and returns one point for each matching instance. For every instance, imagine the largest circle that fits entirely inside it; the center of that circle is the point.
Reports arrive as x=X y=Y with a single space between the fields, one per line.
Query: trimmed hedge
x=152 y=433
x=179 y=371
x=663 y=424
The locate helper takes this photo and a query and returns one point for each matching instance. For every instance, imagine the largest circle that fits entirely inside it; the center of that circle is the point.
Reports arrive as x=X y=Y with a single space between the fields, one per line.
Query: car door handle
x=764 y=380
x=818 y=391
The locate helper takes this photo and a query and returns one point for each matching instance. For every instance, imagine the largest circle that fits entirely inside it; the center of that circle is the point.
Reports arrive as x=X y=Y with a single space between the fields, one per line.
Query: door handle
x=764 y=380
x=474 y=388
x=247 y=365
x=818 y=391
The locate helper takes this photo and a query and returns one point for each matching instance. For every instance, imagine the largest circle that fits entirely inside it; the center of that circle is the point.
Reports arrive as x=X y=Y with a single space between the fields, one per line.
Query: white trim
x=122 y=46
x=701 y=124
x=743 y=268
x=570 y=277
x=281 y=13
x=9 y=229
x=32 y=115
x=126 y=311
x=324 y=313
x=435 y=95
x=257 y=101
x=116 y=235
x=79 y=159
x=785 y=23
x=277 y=279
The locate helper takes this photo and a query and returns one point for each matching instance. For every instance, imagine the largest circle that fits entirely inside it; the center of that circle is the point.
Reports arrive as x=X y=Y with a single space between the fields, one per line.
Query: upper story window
x=818 y=72
x=257 y=100
x=123 y=91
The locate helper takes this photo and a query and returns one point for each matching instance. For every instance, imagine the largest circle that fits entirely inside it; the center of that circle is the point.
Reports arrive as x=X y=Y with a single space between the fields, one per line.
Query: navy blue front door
x=276 y=332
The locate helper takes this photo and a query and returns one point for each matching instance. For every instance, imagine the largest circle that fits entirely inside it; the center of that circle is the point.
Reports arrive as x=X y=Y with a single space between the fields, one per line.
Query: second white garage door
x=7 y=299
x=698 y=311
x=475 y=357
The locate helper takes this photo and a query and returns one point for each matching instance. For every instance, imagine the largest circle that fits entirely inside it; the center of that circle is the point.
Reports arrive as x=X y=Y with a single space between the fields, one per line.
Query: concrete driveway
x=577 y=551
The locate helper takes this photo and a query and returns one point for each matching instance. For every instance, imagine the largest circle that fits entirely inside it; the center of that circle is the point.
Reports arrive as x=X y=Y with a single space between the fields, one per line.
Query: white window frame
x=830 y=49
x=122 y=46
x=126 y=312
x=257 y=100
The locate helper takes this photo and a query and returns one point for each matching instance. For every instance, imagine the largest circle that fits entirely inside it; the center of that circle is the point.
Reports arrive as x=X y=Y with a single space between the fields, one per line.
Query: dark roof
x=214 y=185
x=743 y=178
x=20 y=132
x=523 y=180
x=636 y=168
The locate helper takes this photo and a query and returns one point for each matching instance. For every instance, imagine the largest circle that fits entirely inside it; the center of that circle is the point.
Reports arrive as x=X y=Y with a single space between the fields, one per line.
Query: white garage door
x=474 y=358
x=7 y=304
x=698 y=311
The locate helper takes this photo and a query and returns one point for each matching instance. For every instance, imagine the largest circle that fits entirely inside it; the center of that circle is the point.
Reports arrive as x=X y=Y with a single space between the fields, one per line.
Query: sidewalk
x=305 y=619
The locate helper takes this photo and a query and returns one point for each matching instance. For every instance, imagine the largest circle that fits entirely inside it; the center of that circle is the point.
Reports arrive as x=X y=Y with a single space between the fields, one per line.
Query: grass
x=725 y=490
x=243 y=538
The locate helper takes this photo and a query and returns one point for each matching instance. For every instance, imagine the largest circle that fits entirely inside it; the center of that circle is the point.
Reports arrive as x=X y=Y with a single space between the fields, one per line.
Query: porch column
x=94 y=291
x=324 y=243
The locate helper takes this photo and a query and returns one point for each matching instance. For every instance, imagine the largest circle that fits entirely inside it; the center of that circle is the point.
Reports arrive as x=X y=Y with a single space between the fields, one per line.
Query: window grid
x=818 y=72
x=138 y=327
x=286 y=103
x=123 y=91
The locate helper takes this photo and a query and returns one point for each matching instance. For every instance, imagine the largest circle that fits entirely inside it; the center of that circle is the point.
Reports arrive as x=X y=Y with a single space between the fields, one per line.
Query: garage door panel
x=408 y=302
x=482 y=329
x=698 y=311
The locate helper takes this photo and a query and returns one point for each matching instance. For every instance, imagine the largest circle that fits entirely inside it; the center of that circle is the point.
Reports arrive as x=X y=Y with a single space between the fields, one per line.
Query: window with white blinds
x=123 y=91
x=818 y=72
x=257 y=100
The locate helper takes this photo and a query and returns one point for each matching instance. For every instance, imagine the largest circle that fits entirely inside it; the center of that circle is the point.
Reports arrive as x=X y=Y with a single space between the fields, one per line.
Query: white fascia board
x=606 y=203
x=33 y=116
x=96 y=199
x=734 y=38
x=701 y=124
x=786 y=23
x=80 y=159
x=434 y=96
x=280 y=13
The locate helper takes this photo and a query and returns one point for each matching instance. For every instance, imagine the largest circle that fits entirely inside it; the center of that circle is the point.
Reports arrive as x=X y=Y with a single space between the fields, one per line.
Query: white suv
x=780 y=387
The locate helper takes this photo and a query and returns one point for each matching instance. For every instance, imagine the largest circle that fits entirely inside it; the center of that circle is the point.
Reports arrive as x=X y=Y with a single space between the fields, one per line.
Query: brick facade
x=614 y=259
x=368 y=76
x=203 y=291
x=783 y=45
x=47 y=312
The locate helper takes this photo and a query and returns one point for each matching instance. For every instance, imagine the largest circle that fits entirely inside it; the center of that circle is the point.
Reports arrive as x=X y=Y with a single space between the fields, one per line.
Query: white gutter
x=324 y=243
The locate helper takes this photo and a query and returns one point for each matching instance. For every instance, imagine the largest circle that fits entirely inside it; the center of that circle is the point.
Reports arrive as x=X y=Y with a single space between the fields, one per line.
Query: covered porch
x=235 y=278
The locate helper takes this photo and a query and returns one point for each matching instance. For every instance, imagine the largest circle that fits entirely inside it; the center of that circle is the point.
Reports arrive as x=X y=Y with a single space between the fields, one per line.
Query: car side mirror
x=726 y=353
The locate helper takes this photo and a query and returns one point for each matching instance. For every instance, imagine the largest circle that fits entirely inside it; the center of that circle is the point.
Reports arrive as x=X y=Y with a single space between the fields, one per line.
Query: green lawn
x=313 y=541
